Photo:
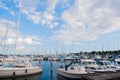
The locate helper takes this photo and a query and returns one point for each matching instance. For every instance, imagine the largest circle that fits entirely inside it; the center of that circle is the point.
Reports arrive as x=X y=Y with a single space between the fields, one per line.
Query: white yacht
x=108 y=65
x=21 y=68
x=72 y=71
x=117 y=63
x=91 y=66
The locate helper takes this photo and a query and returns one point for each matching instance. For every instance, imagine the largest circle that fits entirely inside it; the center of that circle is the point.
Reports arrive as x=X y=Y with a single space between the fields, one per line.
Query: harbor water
x=49 y=72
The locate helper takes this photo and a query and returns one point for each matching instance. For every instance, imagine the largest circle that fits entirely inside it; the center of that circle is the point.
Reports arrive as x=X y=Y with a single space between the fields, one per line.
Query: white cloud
x=22 y=41
x=51 y=5
x=64 y=3
x=32 y=15
x=28 y=7
x=7 y=8
x=8 y=38
x=20 y=48
x=45 y=18
x=12 y=13
x=86 y=20
x=48 y=17
x=3 y=6
x=6 y=25
x=55 y=23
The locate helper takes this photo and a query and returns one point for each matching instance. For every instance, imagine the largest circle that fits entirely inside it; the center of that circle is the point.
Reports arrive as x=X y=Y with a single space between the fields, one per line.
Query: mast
x=16 y=37
x=3 y=41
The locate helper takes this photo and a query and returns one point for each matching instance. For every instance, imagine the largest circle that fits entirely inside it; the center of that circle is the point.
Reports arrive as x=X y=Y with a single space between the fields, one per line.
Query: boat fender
x=13 y=73
x=26 y=71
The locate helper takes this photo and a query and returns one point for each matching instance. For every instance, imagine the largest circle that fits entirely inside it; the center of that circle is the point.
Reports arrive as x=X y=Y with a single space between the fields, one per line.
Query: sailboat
x=18 y=68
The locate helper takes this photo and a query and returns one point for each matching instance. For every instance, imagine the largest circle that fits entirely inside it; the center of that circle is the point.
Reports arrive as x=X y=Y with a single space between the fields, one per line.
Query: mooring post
x=39 y=63
x=65 y=65
x=51 y=70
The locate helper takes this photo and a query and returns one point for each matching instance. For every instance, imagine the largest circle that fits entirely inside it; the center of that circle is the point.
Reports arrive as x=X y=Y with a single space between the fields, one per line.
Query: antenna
x=102 y=47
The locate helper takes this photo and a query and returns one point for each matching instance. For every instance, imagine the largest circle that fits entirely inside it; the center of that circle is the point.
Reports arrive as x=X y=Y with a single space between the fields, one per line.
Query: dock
x=102 y=76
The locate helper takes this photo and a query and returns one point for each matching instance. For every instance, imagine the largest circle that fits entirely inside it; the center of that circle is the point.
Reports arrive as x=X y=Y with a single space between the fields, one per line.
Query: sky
x=59 y=26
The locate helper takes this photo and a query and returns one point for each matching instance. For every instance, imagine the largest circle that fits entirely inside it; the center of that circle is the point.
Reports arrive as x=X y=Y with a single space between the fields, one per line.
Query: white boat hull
x=15 y=72
x=70 y=74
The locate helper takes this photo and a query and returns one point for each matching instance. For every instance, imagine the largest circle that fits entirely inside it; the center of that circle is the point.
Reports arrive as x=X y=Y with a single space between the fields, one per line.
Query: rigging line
x=3 y=41
x=7 y=30
x=16 y=37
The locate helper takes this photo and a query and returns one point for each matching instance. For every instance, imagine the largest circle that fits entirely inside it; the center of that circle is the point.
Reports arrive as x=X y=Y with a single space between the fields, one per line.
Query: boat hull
x=17 y=72
x=67 y=74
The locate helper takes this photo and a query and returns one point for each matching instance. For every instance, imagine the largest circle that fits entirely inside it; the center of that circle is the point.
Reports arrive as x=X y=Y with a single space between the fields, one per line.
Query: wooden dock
x=103 y=76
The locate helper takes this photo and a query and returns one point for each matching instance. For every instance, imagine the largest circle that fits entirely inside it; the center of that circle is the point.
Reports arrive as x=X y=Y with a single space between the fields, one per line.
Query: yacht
x=72 y=71
x=91 y=66
x=108 y=65
x=17 y=69
x=117 y=63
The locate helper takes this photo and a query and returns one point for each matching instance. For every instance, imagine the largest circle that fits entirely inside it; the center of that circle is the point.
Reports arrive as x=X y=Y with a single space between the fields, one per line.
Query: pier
x=102 y=76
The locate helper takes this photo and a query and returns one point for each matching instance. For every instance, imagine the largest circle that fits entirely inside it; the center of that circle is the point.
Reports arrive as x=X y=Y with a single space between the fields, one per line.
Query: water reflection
x=47 y=66
x=59 y=77
x=30 y=77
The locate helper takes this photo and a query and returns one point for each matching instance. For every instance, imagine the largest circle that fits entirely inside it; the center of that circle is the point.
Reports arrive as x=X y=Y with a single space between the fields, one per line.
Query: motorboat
x=116 y=62
x=108 y=65
x=21 y=68
x=91 y=66
x=72 y=71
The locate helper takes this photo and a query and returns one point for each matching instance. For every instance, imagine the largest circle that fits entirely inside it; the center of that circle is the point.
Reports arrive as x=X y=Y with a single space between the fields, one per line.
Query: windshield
x=8 y=65
x=88 y=63
x=107 y=63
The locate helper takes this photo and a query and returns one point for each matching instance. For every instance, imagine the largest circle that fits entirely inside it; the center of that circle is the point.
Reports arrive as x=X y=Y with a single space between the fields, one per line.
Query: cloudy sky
x=62 y=26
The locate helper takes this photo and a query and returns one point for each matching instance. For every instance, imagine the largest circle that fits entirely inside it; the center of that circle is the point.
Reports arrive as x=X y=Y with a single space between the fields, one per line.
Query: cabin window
x=118 y=63
x=100 y=63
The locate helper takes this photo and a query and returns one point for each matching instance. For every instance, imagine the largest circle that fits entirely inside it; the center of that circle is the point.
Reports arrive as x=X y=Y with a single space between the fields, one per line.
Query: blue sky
x=63 y=26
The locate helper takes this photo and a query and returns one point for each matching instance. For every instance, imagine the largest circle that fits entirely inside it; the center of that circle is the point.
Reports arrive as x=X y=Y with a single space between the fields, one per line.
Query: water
x=33 y=77
x=46 y=74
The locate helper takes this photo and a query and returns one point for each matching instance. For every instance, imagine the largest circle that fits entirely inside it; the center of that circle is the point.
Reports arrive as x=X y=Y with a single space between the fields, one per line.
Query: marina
x=59 y=39
x=55 y=70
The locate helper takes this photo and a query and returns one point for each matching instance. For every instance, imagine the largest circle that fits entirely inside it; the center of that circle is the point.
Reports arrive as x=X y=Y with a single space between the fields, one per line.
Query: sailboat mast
x=16 y=37
x=3 y=41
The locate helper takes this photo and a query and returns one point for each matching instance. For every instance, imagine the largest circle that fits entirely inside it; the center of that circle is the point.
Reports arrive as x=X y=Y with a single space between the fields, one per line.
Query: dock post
x=65 y=65
x=39 y=63
x=51 y=71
